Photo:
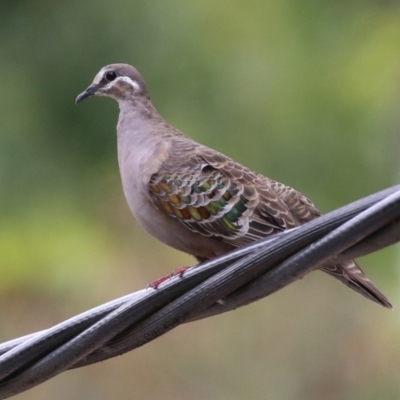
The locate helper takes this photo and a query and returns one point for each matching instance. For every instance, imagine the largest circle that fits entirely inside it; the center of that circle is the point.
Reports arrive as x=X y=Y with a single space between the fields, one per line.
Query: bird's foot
x=176 y=272
x=179 y=271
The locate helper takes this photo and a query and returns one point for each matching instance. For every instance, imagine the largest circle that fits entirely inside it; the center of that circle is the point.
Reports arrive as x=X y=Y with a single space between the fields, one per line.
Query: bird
x=196 y=199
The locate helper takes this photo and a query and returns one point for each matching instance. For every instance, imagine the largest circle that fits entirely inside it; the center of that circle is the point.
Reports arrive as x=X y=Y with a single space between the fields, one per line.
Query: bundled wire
x=227 y=282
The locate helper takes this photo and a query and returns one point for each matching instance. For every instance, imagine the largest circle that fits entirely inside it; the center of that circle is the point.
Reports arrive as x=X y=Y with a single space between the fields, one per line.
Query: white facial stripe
x=125 y=79
x=97 y=79
x=129 y=81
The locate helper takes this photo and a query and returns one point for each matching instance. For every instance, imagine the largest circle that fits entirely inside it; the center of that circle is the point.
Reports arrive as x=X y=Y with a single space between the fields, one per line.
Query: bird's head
x=119 y=81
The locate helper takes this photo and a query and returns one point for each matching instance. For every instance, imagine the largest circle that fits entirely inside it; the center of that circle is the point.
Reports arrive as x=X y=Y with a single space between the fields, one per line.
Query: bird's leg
x=176 y=272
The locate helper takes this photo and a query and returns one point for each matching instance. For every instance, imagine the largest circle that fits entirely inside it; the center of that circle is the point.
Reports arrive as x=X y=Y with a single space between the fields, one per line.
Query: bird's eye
x=111 y=75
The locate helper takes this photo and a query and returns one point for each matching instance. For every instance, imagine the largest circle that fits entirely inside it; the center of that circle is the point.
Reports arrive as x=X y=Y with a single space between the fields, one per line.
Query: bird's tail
x=352 y=276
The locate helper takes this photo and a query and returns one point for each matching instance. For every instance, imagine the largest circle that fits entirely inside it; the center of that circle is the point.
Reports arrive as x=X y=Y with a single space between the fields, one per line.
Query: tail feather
x=352 y=276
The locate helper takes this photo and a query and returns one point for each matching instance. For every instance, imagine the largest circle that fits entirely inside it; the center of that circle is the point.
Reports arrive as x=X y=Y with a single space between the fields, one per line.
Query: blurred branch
x=222 y=284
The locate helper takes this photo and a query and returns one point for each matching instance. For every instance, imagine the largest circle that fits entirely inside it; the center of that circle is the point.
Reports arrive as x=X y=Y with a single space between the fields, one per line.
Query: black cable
x=133 y=320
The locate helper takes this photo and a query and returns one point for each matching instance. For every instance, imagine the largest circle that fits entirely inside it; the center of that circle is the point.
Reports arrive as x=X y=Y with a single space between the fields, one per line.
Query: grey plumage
x=196 y=199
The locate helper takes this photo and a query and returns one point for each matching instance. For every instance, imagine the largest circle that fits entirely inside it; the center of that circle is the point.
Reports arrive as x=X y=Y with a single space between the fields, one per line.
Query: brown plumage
x=196 y=199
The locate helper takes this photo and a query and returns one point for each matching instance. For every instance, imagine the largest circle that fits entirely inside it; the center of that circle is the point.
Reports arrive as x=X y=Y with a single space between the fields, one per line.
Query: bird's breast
x=138 y=161
x=137 y=165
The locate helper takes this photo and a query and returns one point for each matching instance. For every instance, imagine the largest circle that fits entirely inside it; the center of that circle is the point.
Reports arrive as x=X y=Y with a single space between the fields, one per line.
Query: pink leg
x=178 y=271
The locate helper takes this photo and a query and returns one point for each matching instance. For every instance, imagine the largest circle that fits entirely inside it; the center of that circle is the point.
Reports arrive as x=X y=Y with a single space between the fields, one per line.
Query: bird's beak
x=90 y=91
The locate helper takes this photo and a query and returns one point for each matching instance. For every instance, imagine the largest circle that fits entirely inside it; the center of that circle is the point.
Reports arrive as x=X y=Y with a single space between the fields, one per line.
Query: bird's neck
x=138 y=113
x=141 y=142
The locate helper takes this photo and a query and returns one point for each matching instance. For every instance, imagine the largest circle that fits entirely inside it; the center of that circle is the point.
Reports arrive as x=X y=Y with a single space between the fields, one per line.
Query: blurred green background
x=304 y=92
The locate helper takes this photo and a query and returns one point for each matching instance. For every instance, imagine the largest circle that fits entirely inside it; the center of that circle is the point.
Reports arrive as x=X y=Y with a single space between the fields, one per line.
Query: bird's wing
x=214 y=196
x=211 y=194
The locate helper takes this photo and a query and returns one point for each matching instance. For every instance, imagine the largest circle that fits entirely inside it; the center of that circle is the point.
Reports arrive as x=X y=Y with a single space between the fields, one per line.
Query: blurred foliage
x=304 y=92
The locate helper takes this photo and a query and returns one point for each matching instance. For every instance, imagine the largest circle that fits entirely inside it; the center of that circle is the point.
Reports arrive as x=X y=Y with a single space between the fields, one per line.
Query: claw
x=178 y=271
x=156 y=283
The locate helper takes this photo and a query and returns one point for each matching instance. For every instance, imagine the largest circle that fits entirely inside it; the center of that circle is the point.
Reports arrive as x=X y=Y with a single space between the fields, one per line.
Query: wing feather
x=211 y=194
x=214 y=196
